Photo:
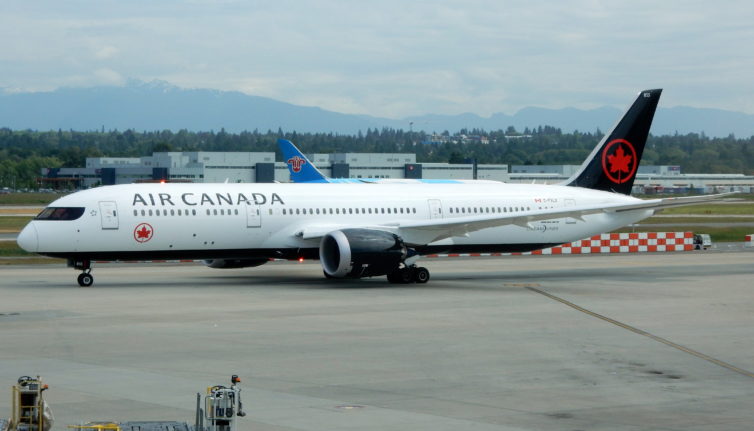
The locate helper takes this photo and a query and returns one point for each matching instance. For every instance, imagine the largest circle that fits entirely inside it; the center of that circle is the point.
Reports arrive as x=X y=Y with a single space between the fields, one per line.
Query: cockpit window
x=60 y=213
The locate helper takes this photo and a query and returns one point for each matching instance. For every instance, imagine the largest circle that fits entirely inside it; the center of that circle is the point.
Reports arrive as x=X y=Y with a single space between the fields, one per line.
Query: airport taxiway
x=610 y=342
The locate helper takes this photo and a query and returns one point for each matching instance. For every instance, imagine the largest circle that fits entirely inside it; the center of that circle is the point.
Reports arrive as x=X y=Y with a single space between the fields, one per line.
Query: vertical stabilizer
x=613 y=164
x=300 y=168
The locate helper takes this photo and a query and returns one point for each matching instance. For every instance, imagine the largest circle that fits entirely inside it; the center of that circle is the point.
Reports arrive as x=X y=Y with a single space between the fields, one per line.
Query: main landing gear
x=86 y=278
x=409 y=274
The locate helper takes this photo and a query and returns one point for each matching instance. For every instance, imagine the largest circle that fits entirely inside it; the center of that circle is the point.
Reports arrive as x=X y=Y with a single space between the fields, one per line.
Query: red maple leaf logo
x=143 y=232
x=619 y=161
x=622 y=161
x=296 y=163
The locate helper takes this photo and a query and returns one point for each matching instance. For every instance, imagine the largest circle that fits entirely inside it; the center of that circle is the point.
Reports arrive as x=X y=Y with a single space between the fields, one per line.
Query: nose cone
x=28 y=239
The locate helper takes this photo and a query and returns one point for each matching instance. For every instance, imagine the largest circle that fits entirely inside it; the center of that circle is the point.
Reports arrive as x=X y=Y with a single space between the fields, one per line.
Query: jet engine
x=235 y=263
x=360 y=253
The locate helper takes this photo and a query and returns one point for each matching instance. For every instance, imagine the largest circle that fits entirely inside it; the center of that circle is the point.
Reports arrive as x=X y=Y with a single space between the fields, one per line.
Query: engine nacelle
x=235 y=263
x=360 y=253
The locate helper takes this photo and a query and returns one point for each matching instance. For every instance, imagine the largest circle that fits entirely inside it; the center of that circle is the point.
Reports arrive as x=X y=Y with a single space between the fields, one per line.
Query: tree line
x=24 y=152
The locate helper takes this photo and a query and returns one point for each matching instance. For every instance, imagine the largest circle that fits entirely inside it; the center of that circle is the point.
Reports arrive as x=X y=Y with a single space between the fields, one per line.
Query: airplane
x=355 y=230
x=302 y=170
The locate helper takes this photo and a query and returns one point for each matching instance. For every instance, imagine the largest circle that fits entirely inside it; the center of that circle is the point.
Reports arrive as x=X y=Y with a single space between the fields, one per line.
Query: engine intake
x=361 y=253
x=235 y=263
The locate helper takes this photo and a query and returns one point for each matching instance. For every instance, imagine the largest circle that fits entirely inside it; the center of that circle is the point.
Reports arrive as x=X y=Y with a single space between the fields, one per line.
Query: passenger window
x=136 y=212
x=143 y=212
x=172 y=212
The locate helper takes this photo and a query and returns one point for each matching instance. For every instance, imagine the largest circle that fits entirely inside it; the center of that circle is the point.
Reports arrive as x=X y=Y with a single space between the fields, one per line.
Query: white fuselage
x=204 y=221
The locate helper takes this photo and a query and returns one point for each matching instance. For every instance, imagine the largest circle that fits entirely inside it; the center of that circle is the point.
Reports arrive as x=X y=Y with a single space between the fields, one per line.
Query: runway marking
x=645 y=333
x=526 y=285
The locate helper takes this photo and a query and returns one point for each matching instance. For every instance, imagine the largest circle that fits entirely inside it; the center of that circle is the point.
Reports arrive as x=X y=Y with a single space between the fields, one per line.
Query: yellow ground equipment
x=29 y=412
x=218 y=412
x=221 y=405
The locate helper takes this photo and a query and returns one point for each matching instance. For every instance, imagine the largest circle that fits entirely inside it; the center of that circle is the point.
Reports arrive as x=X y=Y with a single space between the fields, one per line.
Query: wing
x=419 y=232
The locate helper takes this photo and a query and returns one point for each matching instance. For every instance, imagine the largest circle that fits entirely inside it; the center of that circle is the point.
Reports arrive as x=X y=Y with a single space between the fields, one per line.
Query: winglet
x=300 y=168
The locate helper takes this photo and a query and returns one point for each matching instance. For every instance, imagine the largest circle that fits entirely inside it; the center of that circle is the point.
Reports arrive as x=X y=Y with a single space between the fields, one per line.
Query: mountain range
x=158 y=105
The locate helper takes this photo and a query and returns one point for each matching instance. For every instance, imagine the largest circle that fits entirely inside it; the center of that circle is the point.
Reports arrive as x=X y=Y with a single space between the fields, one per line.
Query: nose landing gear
x=85 y=279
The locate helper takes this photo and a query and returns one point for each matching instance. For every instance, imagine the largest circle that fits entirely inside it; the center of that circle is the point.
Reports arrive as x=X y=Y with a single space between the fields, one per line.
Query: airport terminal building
x=261 y=167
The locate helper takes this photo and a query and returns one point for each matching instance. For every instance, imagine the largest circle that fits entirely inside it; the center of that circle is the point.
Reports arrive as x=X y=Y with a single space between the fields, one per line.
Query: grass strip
x=694 y=220
x=29 y=198
x=10 y=248
x=13 y=224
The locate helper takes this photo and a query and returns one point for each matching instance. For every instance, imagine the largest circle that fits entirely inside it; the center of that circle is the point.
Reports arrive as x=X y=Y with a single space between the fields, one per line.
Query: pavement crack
x=635 y=330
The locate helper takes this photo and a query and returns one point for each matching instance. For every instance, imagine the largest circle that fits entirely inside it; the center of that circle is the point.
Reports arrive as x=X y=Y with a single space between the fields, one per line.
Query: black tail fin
x=613 y=164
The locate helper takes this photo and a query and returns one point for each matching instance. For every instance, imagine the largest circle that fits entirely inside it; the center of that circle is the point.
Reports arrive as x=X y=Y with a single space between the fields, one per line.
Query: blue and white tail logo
x=300 y=168
x=296 y=163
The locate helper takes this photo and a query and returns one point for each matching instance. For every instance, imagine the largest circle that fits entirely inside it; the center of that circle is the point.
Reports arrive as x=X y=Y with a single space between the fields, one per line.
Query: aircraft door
x=253 y=215
x=435 y=208
x=569 y=202
x=109 y=214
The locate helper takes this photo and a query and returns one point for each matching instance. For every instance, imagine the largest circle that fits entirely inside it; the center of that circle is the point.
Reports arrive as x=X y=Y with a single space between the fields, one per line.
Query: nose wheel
x=85 y=279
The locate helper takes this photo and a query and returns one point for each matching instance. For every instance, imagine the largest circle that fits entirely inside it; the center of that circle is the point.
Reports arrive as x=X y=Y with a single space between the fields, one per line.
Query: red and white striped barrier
x=609 y=243
x=749 y=242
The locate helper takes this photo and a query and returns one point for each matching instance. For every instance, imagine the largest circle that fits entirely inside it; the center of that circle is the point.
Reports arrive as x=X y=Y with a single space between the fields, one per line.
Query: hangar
x=210 y=167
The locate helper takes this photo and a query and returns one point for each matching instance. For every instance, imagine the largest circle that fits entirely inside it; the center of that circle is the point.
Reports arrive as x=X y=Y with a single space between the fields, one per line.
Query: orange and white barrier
x=610 y=243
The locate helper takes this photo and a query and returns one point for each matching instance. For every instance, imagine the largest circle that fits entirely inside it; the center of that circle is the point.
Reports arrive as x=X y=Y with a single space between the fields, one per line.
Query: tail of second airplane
x=300 y=168
x=613 y=164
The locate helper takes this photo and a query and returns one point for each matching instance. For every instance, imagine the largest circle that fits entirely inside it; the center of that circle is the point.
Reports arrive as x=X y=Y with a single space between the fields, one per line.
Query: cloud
x=393 y=58
x=105 y=76
x=106 y=52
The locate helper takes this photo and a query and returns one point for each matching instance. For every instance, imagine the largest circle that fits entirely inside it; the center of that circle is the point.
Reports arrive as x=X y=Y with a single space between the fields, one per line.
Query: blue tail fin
x=300 y=168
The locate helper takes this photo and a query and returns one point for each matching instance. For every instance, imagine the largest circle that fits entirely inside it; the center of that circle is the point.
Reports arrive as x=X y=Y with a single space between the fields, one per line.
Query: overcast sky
x=393 y=58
